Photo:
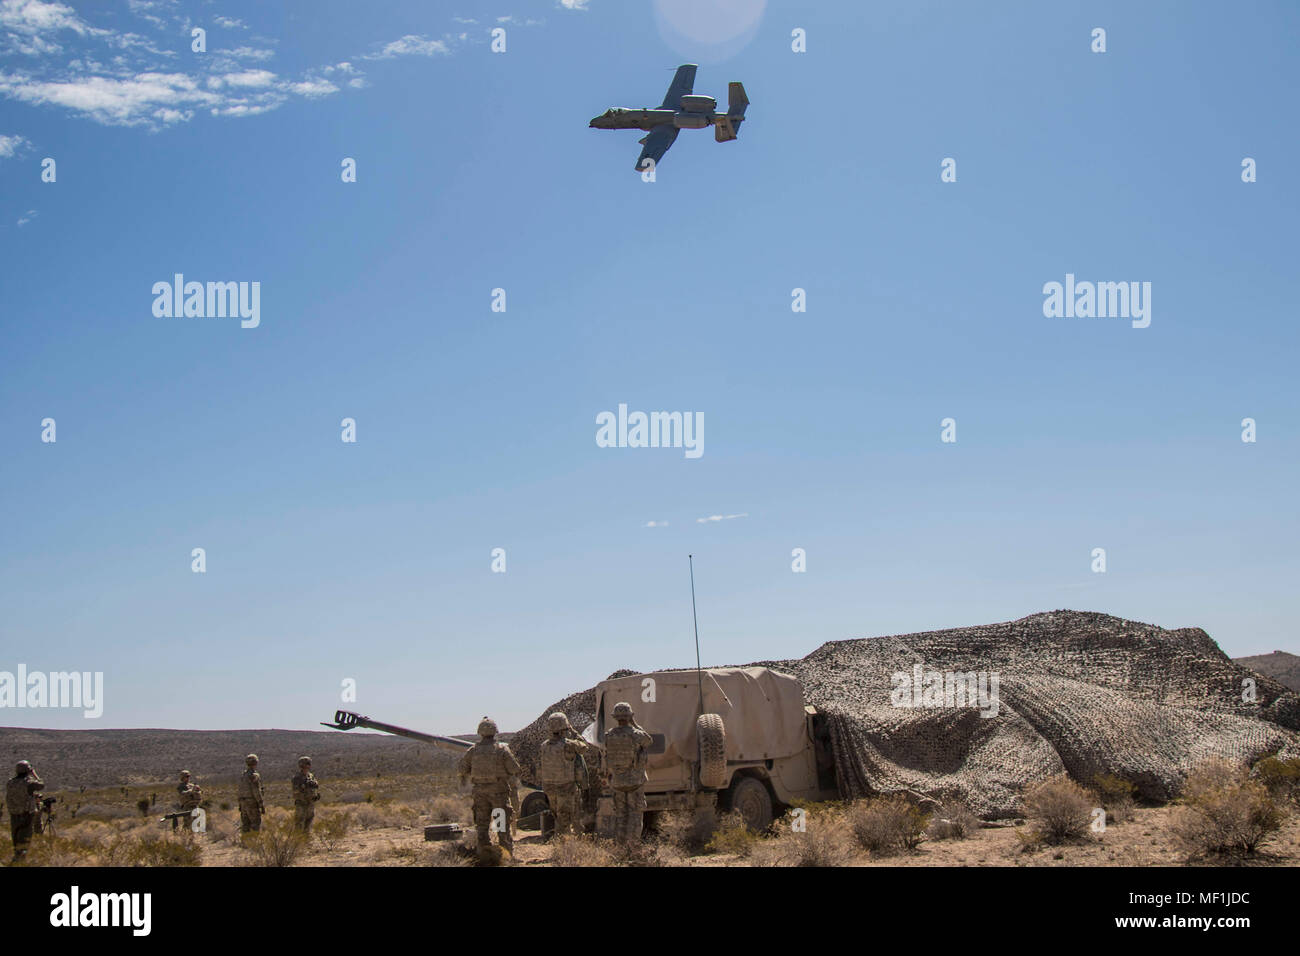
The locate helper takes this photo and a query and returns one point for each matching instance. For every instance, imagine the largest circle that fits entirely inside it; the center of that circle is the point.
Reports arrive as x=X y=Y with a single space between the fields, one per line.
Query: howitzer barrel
x=347 y=720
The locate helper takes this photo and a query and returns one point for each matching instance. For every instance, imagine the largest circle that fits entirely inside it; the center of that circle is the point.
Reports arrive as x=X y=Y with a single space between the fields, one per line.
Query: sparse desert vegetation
x=1226 y=812
x=1228 y=815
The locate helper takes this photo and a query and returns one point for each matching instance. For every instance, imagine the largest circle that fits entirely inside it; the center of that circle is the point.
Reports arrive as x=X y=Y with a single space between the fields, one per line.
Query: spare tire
x=713 y=750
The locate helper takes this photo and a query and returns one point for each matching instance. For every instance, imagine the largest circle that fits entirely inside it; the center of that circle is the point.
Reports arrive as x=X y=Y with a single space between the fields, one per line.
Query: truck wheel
x=750 y=797
x=534 y=803
x=713 y=750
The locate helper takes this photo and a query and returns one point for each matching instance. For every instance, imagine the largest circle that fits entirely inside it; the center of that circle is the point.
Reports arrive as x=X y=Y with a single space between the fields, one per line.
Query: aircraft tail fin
x=728 y=127
x=736 y=100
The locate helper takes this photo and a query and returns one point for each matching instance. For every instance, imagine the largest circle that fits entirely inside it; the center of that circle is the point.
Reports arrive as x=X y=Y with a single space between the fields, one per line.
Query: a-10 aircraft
x=681 y=109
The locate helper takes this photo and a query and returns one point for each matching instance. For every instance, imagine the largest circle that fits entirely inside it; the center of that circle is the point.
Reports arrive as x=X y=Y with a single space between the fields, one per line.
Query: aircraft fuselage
x=621 y=118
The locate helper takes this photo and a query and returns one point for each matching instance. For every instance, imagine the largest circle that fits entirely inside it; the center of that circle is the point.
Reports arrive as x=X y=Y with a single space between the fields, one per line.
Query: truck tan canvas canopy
x=762 y=710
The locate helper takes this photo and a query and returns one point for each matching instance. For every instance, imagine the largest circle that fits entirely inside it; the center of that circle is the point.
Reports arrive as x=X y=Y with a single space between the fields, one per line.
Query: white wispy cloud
x=720 y=518
x=411 y=45
x=31 y=17
x=247 y=78
x=574 y=4
x=123 y=78
x=247 y=53
x=11 y=146
x=656 y=524
x=25 y=219
x=33 y=27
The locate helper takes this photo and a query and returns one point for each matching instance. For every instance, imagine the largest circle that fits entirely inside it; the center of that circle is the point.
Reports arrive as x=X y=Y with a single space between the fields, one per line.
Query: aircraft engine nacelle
x=698 y=103
x=690 y=120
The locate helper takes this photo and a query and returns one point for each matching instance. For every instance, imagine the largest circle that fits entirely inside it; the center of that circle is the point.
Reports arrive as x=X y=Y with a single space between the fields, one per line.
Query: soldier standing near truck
x=627 y=749
x=490 y=767
x=252 y=802
x=20 y=800
x=306 y=791
x=558 y=767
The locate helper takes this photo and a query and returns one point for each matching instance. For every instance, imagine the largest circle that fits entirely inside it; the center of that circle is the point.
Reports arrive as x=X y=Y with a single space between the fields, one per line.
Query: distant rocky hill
x=1281 y=666
x=109 y=758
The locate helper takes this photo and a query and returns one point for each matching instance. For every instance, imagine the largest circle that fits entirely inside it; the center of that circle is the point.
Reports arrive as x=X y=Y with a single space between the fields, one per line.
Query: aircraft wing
x=656 y=143
x=683 y=85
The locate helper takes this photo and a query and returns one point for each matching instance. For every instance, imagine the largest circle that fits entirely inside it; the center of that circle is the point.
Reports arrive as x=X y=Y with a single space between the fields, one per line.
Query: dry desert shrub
x=60 y=851
x=155 y=850
x=449 y=809
x=372 y=816
x=1115 y=794
x=451 y=853
x=1224 y=811
x=732 y=836
x=103 y=811
x=827 y=840
x=1280 y=777
x=278 y=843
x=582 y=851
x=1058 y=809
x=92 y=834
x=330 y=829
x=953 y=820
x=685 y=831
x=887 y=825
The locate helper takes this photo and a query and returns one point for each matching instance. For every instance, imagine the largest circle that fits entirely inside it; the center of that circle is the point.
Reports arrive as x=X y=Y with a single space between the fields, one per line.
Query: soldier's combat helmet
x=250 y=759
x=23 y=768
x=557 y=722
x=623 y=710
x=185 y=773
x=487 y=727
x=304 y=761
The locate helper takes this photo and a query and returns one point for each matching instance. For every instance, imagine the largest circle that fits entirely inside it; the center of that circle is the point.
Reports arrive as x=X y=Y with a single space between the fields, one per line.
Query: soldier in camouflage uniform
x=556 y=765
x=23 y=806
x=306 y=791
x=191 y=795
x=627 y=748
x=490 y=767
x=252 y=803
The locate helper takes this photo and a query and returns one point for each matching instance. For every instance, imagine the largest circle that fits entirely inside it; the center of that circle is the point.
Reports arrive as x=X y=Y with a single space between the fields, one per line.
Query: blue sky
x=476 y=429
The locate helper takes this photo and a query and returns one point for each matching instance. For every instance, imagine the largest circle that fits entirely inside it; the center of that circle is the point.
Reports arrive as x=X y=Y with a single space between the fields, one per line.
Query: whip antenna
x=699 y=674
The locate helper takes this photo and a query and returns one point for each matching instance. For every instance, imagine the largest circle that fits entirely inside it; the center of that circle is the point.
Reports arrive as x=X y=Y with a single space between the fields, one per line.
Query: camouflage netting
x=1079 y=692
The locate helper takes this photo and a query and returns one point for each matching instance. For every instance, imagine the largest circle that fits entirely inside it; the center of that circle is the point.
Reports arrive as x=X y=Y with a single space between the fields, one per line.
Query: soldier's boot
x=483 y=844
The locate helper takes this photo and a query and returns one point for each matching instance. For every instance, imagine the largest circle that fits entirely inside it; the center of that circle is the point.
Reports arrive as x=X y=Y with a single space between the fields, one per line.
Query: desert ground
x=380 y=821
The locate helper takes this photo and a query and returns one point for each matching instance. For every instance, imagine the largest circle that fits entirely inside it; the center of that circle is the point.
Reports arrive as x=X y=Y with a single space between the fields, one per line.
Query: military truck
x=738 y=738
